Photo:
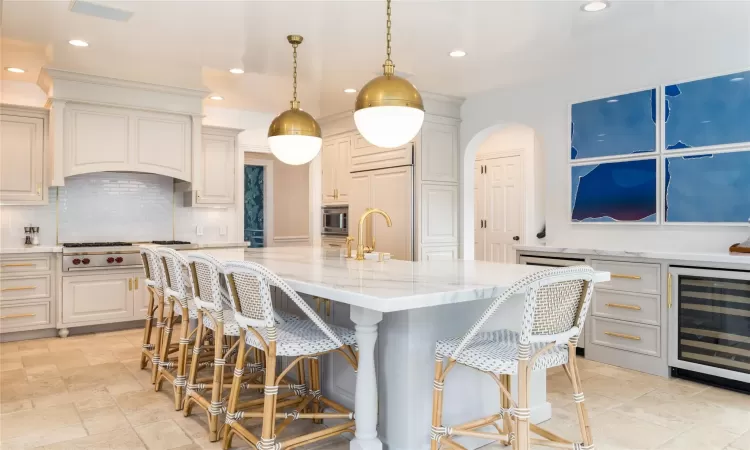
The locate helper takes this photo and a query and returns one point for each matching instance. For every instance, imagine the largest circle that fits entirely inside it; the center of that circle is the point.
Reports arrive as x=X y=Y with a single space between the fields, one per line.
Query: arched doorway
x=502 y=187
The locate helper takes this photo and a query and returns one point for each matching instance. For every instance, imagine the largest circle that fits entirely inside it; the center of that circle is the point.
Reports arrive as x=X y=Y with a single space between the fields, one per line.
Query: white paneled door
x=21 y=159
x=499 y=195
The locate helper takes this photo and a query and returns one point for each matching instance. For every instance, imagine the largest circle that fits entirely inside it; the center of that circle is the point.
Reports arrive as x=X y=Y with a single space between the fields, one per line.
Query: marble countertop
x=31 y=249
x=709 y=257
x=384 y=286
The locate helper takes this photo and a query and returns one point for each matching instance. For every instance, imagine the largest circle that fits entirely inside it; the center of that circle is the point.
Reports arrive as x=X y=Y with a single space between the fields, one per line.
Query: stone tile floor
x=86 y=392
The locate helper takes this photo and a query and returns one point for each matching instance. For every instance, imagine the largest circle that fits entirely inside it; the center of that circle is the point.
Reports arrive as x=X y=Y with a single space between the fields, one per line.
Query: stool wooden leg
x=156 y=360
x=505 y=403
x=437 y=401
x=193 y=375
x=166 y=342
x=522 y=416
x=234 y=394
x=267 y=436
x=583 y=417
x=181 y=379
x=218 y=386
x=147 y=329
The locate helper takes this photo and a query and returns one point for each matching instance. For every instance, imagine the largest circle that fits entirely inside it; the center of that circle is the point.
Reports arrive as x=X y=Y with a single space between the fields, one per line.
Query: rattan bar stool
x=301 y=339
x=554 y=312
x=179 y=306
x=154 y=283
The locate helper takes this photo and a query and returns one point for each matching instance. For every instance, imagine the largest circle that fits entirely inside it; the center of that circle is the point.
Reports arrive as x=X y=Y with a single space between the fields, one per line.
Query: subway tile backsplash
x=116 y=206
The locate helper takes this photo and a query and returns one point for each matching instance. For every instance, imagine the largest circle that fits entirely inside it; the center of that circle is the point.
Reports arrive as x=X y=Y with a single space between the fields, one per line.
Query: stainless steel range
x=87 y=256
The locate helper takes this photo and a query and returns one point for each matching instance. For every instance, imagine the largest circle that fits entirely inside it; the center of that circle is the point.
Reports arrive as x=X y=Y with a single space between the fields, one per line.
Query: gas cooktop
x=96 y=244
x=171 y=242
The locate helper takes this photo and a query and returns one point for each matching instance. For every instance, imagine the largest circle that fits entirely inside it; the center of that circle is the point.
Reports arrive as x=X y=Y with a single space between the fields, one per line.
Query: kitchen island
x=404 y=307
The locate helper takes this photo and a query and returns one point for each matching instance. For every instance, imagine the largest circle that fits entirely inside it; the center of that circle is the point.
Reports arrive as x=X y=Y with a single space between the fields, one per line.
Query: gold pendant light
x=294 y=136
x=389 y=110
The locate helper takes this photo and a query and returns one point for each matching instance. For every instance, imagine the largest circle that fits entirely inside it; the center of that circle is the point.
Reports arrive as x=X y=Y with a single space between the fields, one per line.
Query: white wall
x=654 y=59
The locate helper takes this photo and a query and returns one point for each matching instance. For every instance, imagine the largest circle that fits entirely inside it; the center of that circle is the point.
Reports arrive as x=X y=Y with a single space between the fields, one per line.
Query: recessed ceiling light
x=736 y=79
x=236 y=71
x=595 y=6
x=350 y=90
x=216 y=97
x=78 y=43
x=15 y=70
x=457 y=53
x=612 y=100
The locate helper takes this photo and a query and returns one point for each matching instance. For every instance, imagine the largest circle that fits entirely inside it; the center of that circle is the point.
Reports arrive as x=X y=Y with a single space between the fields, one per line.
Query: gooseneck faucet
x=360 y=232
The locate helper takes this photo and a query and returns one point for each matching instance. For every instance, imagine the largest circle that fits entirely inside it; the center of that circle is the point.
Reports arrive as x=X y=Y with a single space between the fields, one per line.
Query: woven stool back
x=207 y=273
x=175 y=271
x=153 y=268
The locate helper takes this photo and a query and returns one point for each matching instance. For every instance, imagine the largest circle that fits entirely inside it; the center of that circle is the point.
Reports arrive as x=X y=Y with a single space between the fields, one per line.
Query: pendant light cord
x=294 y=95
x=388 y=67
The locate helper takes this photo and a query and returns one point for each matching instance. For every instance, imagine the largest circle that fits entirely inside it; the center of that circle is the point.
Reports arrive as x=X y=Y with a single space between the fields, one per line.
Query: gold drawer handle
x=18 y=265
x=624 y=336
x=18 y=316
x=619 y=305
x=626 y=277
x=135 y=281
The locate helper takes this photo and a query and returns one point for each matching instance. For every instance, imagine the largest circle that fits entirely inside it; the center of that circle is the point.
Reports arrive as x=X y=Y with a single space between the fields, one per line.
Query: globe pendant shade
x=295 y=150
x=389 y=126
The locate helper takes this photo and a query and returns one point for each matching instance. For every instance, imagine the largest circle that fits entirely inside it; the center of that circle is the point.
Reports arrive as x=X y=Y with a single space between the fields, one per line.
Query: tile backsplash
x=117 y=206
x=112 y=206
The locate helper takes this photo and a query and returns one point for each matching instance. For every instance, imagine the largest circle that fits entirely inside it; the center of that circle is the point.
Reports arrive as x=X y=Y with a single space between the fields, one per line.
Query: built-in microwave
x=335 y=221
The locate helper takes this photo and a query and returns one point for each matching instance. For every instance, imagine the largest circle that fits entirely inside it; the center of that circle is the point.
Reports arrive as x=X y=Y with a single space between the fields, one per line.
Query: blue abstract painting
x=254 y=206
x=713 y=111
x=623 y=191
x=708 y=188
x=620 y=125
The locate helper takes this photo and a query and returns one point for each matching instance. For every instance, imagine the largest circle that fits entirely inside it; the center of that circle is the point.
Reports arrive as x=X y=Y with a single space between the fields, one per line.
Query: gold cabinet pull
x=18 y=265
x=19 y=288
x=626 y=277
x=130 y=284
x=624 y=336
x=39 y=189
x=328 y=308
x=669 y=290
x=620 y=305
x=18 y=316
x=136 y=283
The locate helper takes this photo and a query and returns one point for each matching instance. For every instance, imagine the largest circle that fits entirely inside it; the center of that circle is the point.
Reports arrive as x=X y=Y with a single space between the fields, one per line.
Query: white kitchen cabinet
x=439 y=152
x=94 y=299
x=439 y=218
x=440 y=253
x=27 y=292
x=391 y=191
x=140 y=297
x=365 y=156
x=217 y=163
x=22 y=156
x=102 y=138
x=335 y=170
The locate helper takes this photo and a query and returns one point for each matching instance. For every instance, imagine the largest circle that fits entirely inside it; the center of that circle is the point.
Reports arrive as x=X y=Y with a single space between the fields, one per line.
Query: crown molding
x=48 y=75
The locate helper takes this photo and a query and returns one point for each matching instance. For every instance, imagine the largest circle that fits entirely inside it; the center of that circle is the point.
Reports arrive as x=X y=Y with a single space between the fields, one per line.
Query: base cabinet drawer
x=24 y=264
x=630 y=277
x=632 y=307
x=89 y=299
x=628 y=336
x=25 y=287
x=25 y=317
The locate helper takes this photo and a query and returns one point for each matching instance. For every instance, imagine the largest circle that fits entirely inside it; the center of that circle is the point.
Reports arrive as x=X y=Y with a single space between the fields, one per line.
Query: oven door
x=335 y=222
x=709 y=321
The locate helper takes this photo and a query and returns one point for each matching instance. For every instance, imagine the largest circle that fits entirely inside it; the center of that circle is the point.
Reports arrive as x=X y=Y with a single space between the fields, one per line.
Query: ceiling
x=194 y=43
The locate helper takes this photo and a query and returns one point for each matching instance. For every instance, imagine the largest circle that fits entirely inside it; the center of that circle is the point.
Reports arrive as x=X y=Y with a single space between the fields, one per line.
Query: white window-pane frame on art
x=657 y=190
x=695 y=152
x=657 y=131
x=662 y=112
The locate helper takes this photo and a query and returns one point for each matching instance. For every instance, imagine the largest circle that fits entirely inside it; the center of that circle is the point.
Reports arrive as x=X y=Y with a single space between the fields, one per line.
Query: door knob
x=516 y=238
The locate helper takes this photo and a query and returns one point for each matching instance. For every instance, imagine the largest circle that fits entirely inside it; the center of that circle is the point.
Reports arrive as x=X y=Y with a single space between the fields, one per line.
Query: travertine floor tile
x=700 y=438
x=102 y=420
x=26 y=423
x=125 y=439
x=163 y=435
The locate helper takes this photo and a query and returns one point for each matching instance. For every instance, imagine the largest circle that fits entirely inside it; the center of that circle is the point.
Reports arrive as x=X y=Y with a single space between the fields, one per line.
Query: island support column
x=366 y=393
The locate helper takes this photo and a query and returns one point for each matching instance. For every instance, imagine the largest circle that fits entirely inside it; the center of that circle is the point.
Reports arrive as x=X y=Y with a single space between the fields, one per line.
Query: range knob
x=110 y=260
x=76 y=261
x=118 y=259
x=86 y=260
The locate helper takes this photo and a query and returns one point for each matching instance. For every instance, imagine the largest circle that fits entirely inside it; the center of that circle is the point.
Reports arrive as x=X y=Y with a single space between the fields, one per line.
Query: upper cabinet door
x=162 y=144
x=328 y=164
x=21 y=159
x=439 y=152
x=391 y=190
x=218 y=163
x=97 y=139
x=343 y=177
x=366 y=156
